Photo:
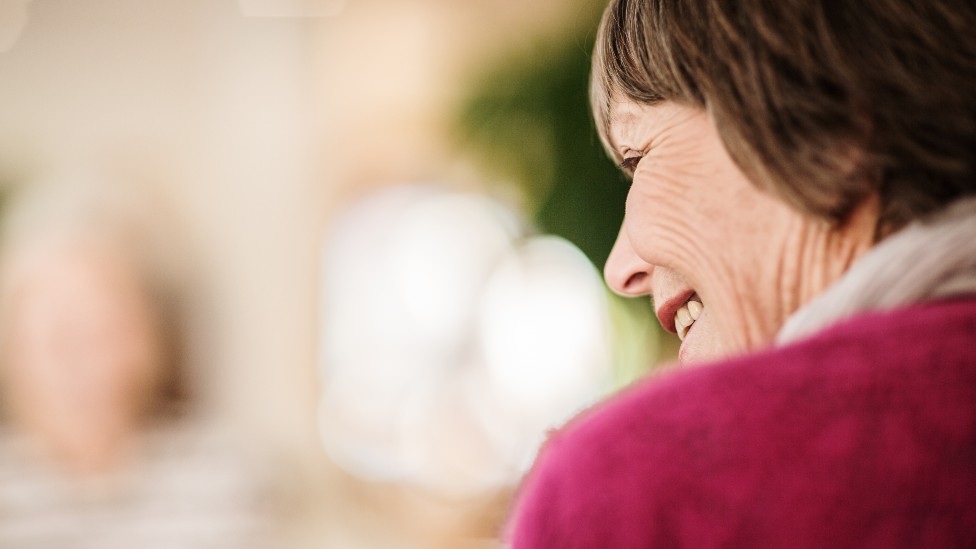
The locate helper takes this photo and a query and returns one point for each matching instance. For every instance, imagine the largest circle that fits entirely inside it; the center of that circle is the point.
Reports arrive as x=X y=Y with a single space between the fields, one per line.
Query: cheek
x=669 y=222
x=743 y=285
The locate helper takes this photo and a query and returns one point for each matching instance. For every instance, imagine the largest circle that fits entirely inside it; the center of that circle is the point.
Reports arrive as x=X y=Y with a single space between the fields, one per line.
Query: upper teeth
x=686 y=316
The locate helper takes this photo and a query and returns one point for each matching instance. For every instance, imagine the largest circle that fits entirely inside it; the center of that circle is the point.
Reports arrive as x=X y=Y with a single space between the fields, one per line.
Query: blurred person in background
x=102 y=447
x=802 y=211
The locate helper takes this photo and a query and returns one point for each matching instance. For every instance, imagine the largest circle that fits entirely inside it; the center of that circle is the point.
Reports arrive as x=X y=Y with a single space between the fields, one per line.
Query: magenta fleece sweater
x=861 y=436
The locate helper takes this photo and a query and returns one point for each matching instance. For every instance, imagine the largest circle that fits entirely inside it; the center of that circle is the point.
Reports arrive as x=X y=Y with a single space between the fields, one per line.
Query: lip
x=667 y=309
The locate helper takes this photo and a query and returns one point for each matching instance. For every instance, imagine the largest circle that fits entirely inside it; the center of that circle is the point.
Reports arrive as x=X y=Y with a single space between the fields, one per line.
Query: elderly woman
x=801 y=213
x=100 y=444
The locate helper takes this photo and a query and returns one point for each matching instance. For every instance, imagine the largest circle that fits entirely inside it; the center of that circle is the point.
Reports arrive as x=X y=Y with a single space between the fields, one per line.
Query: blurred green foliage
x=529 y=121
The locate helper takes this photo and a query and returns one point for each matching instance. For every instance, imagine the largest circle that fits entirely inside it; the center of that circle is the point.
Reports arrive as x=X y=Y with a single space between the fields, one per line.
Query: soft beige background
x=259 y=129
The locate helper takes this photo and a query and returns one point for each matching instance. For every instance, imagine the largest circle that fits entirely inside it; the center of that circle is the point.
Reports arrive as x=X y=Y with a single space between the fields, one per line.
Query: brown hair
x=819 y=102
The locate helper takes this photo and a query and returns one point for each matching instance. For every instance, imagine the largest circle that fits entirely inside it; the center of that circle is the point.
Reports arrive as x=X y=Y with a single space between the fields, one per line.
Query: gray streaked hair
x=819 y=103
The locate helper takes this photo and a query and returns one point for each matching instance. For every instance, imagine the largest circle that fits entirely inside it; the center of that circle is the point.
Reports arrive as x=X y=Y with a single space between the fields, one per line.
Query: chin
x=692 y=355
x=702 y=344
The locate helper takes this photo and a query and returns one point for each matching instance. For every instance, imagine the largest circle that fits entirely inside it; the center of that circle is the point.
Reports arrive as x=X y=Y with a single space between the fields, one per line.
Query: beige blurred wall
x=390 y=74
x=212 y=107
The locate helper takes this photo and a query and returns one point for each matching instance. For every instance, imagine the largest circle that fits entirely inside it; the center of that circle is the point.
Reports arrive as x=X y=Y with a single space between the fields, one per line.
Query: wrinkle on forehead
x=629 y=121
x=622 y=117
x=632 y=121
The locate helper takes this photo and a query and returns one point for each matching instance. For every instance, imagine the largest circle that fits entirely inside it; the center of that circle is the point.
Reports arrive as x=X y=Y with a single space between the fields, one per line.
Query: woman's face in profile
x=724 y=263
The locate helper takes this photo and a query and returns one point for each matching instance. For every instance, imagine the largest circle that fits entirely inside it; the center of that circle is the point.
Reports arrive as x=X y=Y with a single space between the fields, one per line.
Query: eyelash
x=629 y=165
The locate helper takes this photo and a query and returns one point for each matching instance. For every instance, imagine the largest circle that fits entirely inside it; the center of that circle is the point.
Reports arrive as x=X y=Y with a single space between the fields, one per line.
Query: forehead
x=622 y=117
x=632 y=124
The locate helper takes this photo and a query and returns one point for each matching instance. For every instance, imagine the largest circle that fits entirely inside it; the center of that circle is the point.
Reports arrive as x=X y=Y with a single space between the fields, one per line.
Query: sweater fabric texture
x=863 y=435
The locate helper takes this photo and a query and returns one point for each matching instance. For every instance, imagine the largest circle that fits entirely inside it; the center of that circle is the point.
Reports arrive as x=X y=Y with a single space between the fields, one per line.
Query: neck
x=827 y=252
x=923 y=261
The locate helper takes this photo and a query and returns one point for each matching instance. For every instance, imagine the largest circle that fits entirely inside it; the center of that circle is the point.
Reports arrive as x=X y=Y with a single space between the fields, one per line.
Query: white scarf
x=924 y=261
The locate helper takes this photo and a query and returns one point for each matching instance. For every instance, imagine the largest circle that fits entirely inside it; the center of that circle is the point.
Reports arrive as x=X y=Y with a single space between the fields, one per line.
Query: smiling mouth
x=686 y=315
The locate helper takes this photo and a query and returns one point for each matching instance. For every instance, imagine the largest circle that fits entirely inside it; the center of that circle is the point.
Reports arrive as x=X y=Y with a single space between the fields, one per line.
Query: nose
x=625 y=272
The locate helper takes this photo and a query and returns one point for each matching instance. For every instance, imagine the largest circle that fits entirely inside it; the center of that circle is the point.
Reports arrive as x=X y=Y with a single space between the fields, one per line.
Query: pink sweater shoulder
x=863 y=436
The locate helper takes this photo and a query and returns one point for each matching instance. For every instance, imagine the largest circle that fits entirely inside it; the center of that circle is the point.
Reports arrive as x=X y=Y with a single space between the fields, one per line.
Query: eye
x=629 y=165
